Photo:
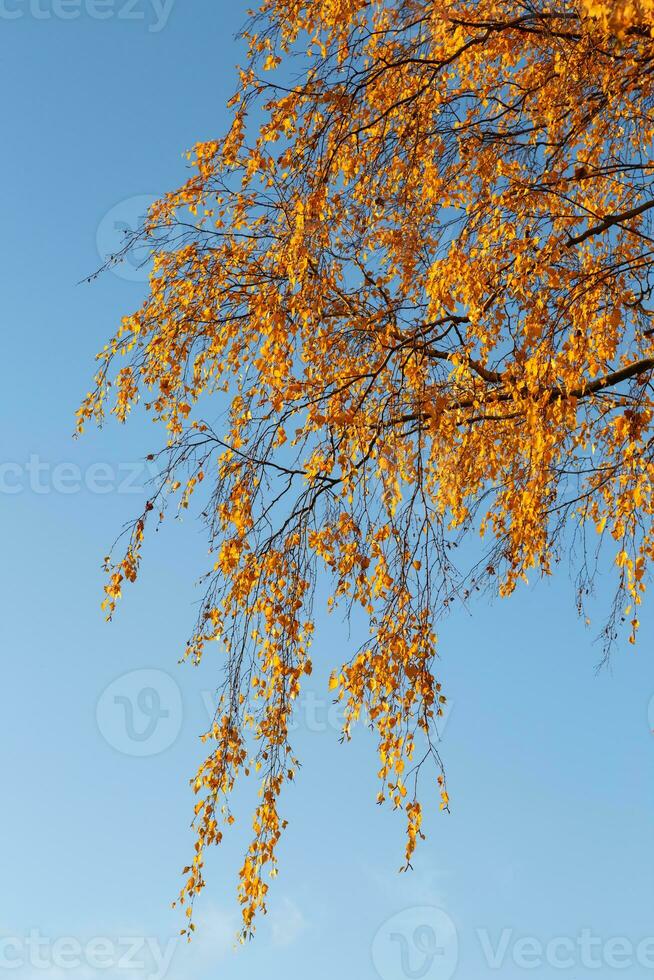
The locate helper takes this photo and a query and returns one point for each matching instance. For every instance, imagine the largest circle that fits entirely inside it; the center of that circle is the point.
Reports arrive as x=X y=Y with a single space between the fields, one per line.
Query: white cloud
x=422 y=886
x=215 y=937
x=287 y=923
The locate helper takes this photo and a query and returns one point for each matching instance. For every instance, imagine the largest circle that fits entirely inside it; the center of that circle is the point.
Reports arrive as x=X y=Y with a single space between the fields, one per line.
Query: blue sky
x=545 y=865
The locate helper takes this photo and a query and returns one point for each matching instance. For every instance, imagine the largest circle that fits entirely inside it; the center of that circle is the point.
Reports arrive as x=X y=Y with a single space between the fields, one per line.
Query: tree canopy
x=416 y=275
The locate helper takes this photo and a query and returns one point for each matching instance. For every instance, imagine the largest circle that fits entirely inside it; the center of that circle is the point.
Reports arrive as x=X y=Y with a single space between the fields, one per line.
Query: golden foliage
x=418 y=269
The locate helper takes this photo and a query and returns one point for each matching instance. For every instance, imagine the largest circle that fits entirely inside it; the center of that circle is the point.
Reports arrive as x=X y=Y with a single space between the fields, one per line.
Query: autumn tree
x=416 y=277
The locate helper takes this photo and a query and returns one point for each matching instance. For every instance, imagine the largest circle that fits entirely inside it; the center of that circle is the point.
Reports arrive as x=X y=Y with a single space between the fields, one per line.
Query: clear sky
x=545 y=865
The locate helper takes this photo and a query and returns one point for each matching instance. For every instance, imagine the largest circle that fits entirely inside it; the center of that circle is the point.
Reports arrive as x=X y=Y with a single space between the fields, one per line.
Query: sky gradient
x=545 y=865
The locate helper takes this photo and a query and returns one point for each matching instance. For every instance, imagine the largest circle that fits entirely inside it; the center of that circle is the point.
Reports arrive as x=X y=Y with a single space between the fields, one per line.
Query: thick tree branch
x=608 y=222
